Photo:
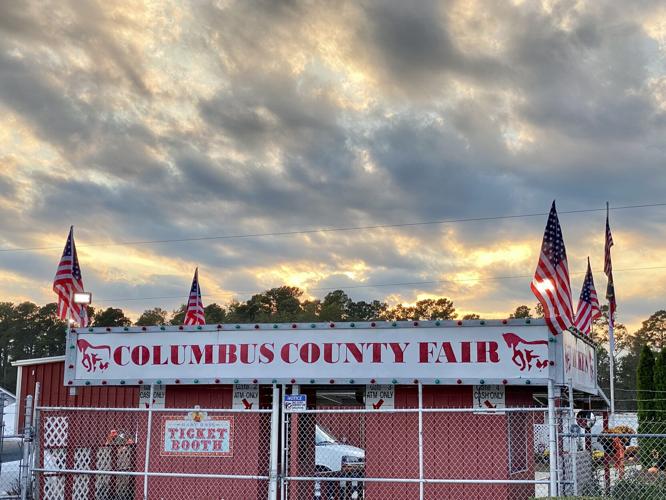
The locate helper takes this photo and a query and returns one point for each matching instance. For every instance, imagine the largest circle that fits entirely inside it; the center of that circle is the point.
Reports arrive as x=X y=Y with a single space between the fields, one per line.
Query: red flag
x=194 y=314
x=68 y=281
x=551 y=284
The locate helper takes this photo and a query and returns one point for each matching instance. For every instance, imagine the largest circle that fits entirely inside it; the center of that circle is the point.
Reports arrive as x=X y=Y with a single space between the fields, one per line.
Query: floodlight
x=83 y=298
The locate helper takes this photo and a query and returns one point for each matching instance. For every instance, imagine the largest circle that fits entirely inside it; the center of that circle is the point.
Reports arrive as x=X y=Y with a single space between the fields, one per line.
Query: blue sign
x=295 y=402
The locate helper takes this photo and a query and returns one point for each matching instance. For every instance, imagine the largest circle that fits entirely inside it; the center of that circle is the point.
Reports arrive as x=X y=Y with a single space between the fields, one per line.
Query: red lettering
x=425 y=351
x=157 y=356
x=173 y=433
x=285 y=352
x=175 y=445
x=266 y=350
x=446 y=351
x=398 y=351
x=245 y=353
x=466 y=356
x=217 y=445
x=310 y=352
x=185 y=445
x=118 y=355
x=355 y=351
x=196 y=445
x=175 y=354
x=227 y=353
x=196 y=354
x=140 y=355
x=328 y=352
x=485 y=350
x=190 y=433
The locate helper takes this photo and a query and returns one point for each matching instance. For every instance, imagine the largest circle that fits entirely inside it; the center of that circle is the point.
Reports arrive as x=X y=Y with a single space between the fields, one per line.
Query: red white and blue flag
x=551 y=284
x=194 y=314
x=588 y=304
x=67 y=282
x=608 y=270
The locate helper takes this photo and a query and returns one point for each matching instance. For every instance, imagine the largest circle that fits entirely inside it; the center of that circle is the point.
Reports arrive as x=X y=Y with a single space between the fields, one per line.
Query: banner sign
x=379 y=396
x=246 y=397
x=361 y=355
x=197 y=435
x=580 y=364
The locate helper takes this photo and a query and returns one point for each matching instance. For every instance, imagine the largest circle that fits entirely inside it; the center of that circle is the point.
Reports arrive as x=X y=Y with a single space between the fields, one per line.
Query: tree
x=429 y=309
x=653 y=331
x=157 y=316
x=335 y=306
x=471 y=316
x=214 y=314
x=178 y=315
x=660 y=384
x=367 y=311
x=521 y=312
x=646 y=410
x=111 y=317
x=538 y=310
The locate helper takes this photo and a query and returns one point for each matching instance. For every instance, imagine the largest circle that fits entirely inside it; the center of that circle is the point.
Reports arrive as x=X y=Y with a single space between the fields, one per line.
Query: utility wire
x=332 y=229
x=375 y=285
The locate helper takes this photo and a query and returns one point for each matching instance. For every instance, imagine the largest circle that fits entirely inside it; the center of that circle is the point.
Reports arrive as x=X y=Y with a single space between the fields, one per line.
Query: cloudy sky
x=140 y=121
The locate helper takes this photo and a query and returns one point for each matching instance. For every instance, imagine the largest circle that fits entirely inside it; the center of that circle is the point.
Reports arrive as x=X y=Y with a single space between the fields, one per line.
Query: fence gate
x=340 y=454
x=15 y=450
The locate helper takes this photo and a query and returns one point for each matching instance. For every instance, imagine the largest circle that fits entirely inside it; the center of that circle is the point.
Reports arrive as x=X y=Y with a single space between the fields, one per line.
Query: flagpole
x=611 y=358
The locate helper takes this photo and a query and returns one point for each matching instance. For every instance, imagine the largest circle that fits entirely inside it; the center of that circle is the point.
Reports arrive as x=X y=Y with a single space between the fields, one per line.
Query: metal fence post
x=573 y=443
x=275 y=422
x=35 y=437
x=149 y=431
x=420 y=441
x=552 y=439
x=27 y=438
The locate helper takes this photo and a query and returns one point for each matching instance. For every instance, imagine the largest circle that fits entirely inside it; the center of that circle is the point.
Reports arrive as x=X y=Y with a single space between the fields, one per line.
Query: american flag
x=608 y=270
x=194 y=314
x=551 y=280
x=588 y=304
x=68 y=281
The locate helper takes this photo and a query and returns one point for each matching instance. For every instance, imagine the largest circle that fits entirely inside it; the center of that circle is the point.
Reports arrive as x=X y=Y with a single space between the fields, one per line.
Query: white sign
x=489 y=396
x=246 y=397
x=198 y=436
x=295 y=402
x=580 y=363
x=159 y=396
x=362 y=354
x=379 y=397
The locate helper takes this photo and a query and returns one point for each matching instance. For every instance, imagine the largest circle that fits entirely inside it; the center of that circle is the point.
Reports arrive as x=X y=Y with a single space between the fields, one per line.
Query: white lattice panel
x=82 y=461
x=55 y=458
x=55 y=431
x=54 y=488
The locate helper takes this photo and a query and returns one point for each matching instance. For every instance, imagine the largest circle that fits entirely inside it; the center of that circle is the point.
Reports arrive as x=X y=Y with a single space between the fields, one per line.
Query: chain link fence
x=123 y=454
x=617 y=457
x=11 y=448
x=403 y=454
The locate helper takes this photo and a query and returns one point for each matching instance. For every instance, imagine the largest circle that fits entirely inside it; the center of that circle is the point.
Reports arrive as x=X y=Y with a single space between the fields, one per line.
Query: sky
x=141 y=121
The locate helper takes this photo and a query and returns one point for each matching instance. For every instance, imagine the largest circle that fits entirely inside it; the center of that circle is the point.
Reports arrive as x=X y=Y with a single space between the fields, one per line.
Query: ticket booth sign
x=197 y=435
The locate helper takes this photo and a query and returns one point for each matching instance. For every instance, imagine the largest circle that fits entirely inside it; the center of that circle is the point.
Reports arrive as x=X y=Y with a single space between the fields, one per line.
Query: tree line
x=31 y=331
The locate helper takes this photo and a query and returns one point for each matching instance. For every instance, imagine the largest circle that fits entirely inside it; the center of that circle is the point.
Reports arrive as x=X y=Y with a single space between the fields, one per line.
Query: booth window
x=518 y=441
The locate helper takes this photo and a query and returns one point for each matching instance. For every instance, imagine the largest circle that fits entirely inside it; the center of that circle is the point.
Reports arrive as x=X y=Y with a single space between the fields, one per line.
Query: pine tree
x=646 y=410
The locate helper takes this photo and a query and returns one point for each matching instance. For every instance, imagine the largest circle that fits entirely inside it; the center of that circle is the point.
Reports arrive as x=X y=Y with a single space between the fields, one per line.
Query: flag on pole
x=551 y=284
x=608 y=270
x=588 y=304
x=67 y=282
x=194 y=314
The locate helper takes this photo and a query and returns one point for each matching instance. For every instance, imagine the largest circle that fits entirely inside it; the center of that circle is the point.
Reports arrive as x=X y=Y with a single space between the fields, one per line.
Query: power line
x=331 y=229
x=375 y=285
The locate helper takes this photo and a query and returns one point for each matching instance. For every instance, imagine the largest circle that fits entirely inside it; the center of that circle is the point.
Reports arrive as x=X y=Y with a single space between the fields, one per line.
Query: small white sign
x=295 y=402
x=246 y=397
x=489 y=396
x=201 y=436
x=159 y=396
x=379 y=397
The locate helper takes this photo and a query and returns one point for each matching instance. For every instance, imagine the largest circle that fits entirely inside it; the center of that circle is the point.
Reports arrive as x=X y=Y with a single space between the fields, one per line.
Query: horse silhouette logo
x=523 y=356
x=94 y=357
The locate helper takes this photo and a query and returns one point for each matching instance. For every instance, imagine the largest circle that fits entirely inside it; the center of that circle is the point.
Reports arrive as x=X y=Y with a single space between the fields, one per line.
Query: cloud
x=161 y=121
